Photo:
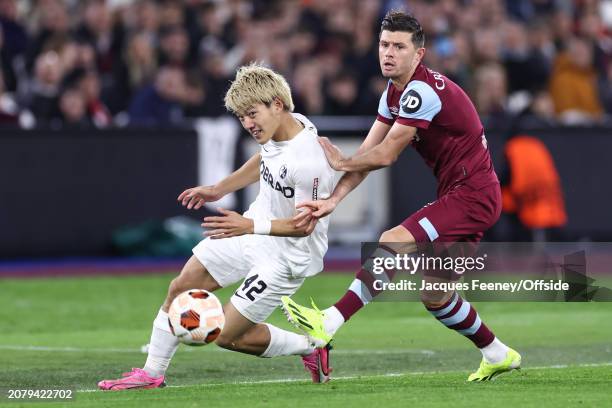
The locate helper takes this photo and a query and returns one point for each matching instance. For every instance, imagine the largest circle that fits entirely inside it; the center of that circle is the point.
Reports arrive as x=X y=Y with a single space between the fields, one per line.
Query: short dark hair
x=396 y=20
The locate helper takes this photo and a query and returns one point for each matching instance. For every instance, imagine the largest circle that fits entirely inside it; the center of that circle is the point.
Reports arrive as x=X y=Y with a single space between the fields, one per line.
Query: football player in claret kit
x=423 y=108
x=263 y=247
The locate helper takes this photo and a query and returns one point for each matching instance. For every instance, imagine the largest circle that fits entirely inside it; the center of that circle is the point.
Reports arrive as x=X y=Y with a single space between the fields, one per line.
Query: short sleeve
x=308 y=178
x=384 y=114
x=418 y=105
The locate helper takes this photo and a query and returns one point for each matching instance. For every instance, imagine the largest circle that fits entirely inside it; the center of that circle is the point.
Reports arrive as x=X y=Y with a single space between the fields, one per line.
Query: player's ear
x=277 y=105
x=420 y=54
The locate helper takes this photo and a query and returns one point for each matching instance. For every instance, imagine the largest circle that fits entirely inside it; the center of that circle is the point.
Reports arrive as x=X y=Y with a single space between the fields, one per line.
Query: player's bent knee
x=176 y=287
x=193 y=276
x=401 y=239
x=226 y=342
x=387 y=236
x=434 y=298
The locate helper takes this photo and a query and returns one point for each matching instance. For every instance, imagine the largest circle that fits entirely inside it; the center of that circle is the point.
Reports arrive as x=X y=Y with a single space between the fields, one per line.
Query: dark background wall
x=65 y=193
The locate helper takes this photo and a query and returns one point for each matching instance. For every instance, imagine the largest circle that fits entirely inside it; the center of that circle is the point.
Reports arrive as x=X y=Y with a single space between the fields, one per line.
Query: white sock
x=162 y=346
x=286 y=343
x=495 y=352
x=333 y=320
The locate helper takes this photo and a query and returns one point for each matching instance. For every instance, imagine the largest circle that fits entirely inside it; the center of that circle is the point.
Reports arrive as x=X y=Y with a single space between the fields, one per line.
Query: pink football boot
x=137 y=378
x=317 y=363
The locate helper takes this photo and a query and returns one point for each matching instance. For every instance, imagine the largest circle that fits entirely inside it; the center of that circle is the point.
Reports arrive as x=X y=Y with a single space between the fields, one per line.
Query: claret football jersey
x=450 y=136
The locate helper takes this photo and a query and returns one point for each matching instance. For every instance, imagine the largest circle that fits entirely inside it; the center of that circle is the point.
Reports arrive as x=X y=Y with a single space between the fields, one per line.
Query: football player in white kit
x=263 y=247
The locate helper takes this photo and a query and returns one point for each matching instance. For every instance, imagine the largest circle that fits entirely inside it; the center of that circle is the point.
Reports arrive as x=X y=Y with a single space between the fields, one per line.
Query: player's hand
x=332 y=152
x=318 y=209
x=304 y=219
x=196 y=197
x=312 y=223
x=229 y=224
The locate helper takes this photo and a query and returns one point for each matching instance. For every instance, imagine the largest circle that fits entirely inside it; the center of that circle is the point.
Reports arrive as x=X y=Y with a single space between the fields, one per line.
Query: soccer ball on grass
x=196 y=317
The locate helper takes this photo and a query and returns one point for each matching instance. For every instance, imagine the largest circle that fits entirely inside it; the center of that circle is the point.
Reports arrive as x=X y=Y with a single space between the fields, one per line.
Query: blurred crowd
x=97 y=63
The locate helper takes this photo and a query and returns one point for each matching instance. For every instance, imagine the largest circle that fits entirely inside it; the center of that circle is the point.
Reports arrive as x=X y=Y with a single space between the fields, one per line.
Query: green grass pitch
x=72 y=332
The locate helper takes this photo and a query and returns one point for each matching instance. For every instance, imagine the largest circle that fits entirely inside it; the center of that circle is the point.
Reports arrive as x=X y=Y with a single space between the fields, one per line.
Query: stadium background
x=109 y=109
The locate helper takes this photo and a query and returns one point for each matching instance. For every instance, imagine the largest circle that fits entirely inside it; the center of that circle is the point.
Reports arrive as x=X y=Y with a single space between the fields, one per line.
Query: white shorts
x=256 y=259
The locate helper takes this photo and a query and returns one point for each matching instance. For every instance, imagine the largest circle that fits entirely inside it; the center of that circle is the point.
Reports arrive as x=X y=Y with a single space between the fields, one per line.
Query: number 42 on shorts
x=248 y=288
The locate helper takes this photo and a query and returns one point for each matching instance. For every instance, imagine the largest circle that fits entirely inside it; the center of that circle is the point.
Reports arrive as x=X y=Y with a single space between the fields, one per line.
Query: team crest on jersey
x=283 y=172
x=267 y=177
x=411 y=101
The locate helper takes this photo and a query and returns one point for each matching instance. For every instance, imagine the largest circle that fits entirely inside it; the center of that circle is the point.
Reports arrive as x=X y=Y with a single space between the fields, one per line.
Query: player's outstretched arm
x=382 y=155
x=231 y=224
x=196 y=197
x=288 y=228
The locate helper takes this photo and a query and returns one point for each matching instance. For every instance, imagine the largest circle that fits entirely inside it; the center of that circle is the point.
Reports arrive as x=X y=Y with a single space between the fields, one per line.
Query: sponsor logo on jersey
x=411 y=101
x=315 y=189
x=283 y=171
x=266 y=176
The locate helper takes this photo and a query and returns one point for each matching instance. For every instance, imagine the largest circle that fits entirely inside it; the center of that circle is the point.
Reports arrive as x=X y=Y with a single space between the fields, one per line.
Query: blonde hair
x=255 y=84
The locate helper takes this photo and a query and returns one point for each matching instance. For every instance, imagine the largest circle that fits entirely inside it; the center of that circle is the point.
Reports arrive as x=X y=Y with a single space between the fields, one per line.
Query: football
x=196 y=317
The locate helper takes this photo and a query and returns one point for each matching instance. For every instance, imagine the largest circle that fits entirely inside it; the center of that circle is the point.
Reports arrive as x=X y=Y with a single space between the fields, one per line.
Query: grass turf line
x=95 y=314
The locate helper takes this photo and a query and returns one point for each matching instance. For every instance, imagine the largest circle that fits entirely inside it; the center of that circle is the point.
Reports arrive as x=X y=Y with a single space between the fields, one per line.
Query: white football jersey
x=289 y=173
